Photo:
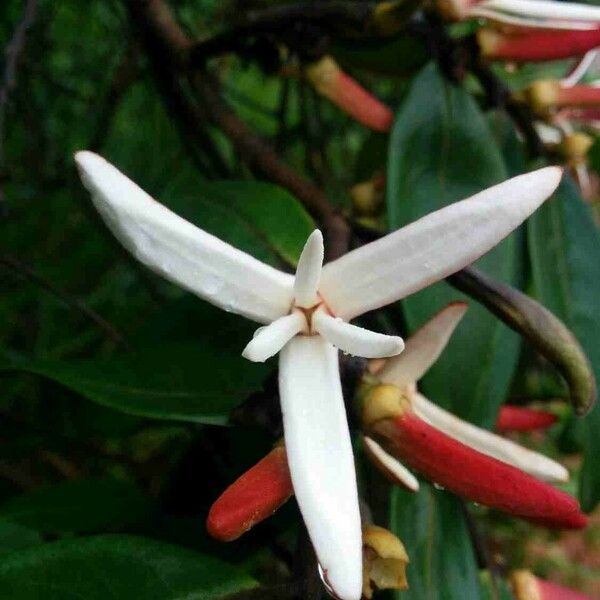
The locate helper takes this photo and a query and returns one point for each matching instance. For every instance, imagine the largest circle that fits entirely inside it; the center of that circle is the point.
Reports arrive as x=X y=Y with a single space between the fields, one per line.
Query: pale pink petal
x=423 y=347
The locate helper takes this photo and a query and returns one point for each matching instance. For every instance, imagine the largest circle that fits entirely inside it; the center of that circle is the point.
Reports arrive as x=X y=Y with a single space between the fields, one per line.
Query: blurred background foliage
x=116 y=386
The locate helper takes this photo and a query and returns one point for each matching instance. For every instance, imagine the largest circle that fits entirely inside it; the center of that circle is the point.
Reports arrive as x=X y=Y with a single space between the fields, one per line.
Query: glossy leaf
x=431 y=525
x=83 y=505
x=184 y=381
x=116 y=568
x=564 y=246
x=442 y=150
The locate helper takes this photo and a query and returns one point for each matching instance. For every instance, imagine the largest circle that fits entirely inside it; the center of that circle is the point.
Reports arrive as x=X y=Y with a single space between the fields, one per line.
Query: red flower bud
x=348 y=95
x=518 y=418
x=526 y=586
x=536 y=45
x=256 y=495
x=473 y=475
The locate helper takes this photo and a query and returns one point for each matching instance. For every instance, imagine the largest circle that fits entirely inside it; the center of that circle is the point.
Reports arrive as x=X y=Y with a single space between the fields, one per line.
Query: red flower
x=518 y=418
x=536 y=45
x=465 y=471
x=348 y=95
x=256 y=495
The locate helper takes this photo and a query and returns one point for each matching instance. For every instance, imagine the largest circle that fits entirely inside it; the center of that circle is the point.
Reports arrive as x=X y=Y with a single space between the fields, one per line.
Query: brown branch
x=125 y=74
x=163 y=34
x=12 y=54
x=25 y=272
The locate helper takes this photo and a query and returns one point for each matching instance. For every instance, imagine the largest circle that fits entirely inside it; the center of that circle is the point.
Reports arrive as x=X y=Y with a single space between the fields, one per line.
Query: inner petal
x=308 y=271
x=269 y=340
x=355 y=340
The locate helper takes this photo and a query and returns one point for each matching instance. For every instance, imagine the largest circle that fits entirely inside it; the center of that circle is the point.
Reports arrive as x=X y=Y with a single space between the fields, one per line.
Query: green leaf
x=442 y=150
x=268 y=214
x=564 y=246
x=116 y=568
x=14 y=537
x=185 y=381
x=431 y=525
x=86 y=505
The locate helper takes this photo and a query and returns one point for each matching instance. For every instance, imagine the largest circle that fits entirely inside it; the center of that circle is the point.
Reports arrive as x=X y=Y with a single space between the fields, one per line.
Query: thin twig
x=162 y=34
x=25 y=272
x=12 y=54
x=125 y=74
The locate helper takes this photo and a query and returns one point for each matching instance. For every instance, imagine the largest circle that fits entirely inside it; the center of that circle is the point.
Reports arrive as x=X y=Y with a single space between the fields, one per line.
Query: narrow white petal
x=433 y=247
x=423 y=347
x=270 y=339
x=500 y=17
x=356 y=340
x=181 y=252
x=308 y=272
x=391 y=465
x=319 y=453
x=547 y=9
x=580 y=70
x=489 y=443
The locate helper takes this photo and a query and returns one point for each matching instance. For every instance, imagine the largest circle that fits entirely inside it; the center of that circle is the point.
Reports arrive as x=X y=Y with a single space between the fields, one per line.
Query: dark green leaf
x=184 y=381
x=564 y=245
x=441 y=151
x=79 y=506
x=431 y=525
x=15 y=537
x=116 y=568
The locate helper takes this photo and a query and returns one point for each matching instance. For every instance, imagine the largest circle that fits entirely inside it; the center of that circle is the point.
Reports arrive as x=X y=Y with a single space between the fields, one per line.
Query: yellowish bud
x=367 y=197
x=543 y=95
x=384 y=561
x=575 y=146
x=524 y=585
x=323 y=75
x=383 y=401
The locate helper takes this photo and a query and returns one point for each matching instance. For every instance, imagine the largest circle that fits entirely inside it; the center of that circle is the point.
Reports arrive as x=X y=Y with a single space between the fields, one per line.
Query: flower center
x=308 y=313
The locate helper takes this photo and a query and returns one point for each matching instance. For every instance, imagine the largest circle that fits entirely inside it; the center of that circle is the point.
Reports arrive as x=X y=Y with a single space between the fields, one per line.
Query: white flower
x=547 y=14
x=422 y=350
x=307 y=316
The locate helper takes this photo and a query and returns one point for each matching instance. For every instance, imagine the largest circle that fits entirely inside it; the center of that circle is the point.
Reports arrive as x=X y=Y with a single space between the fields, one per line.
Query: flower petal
x=308 y=271
x=181 y=252
x=390 y=466
x=319 y=453
x=528 y=22
x=545 y=9
x=423 y=348
x=433 y=247
x=269 y=340
x=356 y=340
x=489 y=443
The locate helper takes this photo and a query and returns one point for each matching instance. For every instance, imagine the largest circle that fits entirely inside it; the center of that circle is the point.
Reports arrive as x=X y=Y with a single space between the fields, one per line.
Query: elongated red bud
x=348 y=95
x=468 y=473
x=526 y=586
x=536 y=45
x=519 y=418
x=256 y=495
x=548 y=95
